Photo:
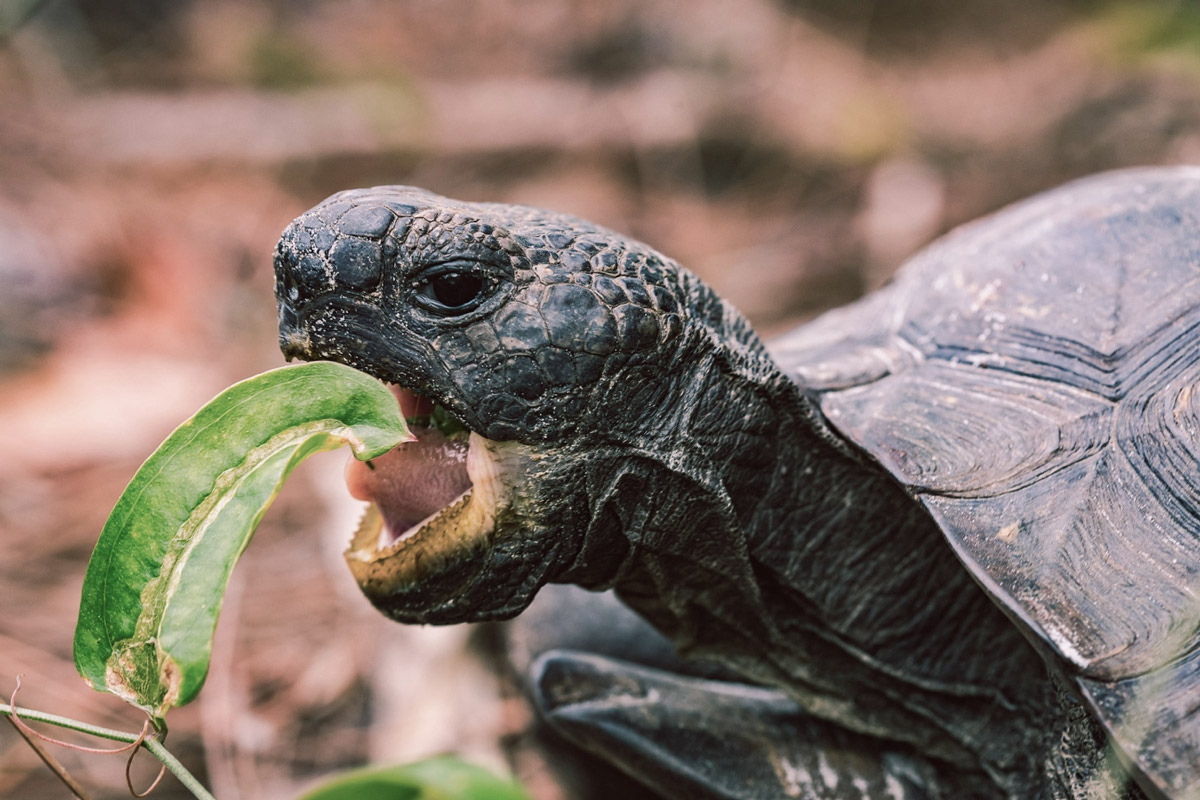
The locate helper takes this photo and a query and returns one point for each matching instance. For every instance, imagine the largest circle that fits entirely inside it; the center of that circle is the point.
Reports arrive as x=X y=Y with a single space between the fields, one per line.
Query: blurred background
x=792 y=152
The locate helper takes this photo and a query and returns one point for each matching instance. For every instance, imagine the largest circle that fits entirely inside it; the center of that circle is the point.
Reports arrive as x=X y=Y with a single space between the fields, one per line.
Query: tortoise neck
x=805 y=565
x=859 y=579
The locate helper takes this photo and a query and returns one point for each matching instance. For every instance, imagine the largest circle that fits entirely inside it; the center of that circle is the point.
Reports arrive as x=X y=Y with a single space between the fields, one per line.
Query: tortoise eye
x=452 y=291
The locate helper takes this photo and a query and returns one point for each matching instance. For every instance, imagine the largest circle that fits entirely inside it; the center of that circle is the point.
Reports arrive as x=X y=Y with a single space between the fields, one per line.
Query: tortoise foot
x=689 y=737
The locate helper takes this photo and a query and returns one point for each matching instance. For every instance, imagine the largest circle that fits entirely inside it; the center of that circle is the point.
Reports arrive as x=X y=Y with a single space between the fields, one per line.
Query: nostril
x=301 y=268
x=287 y=277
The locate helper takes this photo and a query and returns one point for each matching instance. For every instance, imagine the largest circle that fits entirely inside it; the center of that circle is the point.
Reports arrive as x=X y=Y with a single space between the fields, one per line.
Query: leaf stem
x=29 y=715
x=151 y=743
x=177 y=769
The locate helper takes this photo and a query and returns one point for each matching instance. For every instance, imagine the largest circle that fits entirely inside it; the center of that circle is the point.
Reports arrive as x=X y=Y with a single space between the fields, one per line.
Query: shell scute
x=1034 y=380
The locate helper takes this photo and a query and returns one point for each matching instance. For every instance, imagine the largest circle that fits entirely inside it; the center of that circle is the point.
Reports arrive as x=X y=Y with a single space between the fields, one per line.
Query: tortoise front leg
x=689 y=737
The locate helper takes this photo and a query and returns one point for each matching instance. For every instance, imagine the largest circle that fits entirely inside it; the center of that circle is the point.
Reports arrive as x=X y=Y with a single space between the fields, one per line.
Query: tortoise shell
x=1033 y=379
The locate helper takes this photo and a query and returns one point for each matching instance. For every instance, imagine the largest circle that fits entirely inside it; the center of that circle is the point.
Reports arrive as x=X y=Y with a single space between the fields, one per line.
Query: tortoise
x=943 y=538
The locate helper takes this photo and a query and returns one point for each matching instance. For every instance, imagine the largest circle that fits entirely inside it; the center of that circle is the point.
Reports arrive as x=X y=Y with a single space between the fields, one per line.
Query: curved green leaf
x=156 y=579
x=441 y=778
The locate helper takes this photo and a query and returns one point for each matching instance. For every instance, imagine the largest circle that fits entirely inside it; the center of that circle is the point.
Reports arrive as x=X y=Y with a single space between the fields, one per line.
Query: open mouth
x=432 y=502
x=413 y=483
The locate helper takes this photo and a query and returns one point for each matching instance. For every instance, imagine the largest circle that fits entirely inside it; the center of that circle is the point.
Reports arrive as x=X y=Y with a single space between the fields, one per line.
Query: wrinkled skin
x=651 y=445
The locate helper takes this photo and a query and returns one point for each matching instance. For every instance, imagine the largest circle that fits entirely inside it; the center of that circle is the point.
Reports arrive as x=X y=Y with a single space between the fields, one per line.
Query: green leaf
x=441 y=778
x=157 y=577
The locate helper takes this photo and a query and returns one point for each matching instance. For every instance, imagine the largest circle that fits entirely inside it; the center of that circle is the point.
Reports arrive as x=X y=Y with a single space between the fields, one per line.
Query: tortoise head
x=576 y=358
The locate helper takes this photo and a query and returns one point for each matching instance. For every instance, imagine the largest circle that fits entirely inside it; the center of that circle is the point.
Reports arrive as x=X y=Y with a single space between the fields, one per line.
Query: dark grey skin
x=758 y=516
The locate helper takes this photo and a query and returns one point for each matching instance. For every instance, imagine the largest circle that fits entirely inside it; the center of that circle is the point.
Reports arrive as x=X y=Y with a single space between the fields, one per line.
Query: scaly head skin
x=586 y=366
x=627 y=429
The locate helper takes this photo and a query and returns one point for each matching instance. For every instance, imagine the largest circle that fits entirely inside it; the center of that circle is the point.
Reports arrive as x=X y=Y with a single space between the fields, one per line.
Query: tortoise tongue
x=416 y=479
x=411 y=403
